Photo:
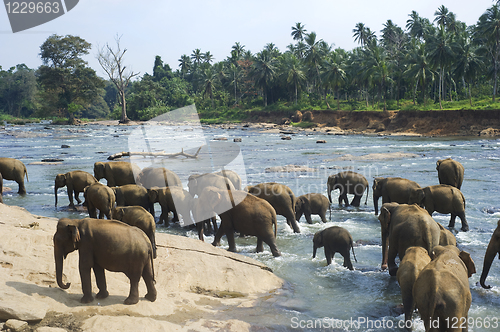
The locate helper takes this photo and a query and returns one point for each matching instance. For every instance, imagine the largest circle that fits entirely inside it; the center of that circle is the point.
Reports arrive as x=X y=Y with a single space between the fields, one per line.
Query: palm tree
x=239 y=49
x=468 y=64
x=293 y=72
x=376 y=64
x=208 y=79
x=362 y=34
x=185 y=64
x=314 y=53
x=208 y=57
x=264 y=72
x=333 y=74
x=197 y=56
x=298 y=31
x=419 y=68
x=443 y=16
x=487 y=35
x=440 y=55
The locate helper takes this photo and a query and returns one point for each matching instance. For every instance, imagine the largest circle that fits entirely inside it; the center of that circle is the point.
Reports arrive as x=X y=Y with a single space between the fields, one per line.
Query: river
x=315 y=295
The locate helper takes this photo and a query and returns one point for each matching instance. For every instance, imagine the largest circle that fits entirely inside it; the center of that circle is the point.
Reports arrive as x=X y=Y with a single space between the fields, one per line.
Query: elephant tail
x=150 y=254
x=26 y=173
x=353 y=254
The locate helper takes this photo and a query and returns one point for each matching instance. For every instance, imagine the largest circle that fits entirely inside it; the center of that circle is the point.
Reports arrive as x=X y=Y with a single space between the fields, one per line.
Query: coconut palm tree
x=239 y=49
x=468 y=64
x=264 y=72
x=298 y=31
x=208 y=57
x=376 y=64
x=314 y=53
x=197 y=56
x=440 y=55
x=208 y=80
x=362 y=34
x=293 y=72
x=487 y=36
x=185 y=64
x=333 y=74
x=419 y=68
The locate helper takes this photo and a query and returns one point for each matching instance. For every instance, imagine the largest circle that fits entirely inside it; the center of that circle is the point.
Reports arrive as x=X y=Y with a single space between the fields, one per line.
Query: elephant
x=392 y=189
x=414 y=261
x=116 y=173
x=281 y=198
x=205 y=220
x=133 y=194
x=15 y=170
x=446 y=238
x=101 y=197
x=450 y=172
x=1 y=188
x=348 y=182
x=252 y=216
x=75 y=182
x=491 y=251
x=174 y=199
x=105 y=245
x=442 y=293
x=137 y=216
x=151 y=177
x=312 y=203
x=198 y=182
x=442 y=198
x=404 y=226
x=231 y=175
x=335 y=239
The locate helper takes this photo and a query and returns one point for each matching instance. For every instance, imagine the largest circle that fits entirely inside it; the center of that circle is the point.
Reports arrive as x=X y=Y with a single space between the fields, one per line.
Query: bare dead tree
x=112 y=62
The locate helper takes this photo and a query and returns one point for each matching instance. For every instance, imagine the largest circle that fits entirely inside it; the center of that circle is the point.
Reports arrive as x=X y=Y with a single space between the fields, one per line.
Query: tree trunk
x=124 y=118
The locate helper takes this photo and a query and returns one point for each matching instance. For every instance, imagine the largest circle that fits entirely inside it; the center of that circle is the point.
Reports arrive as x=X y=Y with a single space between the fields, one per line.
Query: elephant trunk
x=59 y=258
x=329 y=192
x=55 y=193
x=314 y=251
x=375 y=204
x=488 y=260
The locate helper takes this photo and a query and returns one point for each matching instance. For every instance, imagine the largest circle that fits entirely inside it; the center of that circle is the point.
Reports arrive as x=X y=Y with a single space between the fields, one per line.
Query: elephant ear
x=385 y=218
x=153 y=195
x=469 y=263
x=420 y=195
x=75 y=234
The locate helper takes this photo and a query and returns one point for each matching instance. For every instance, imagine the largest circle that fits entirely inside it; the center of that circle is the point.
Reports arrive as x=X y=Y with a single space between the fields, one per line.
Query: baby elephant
x=311 y=204
x=335 y=239
x=139 y=217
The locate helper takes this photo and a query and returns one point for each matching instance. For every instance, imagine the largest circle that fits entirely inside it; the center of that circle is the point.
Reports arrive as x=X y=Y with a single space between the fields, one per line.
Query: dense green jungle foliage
x=426 y=65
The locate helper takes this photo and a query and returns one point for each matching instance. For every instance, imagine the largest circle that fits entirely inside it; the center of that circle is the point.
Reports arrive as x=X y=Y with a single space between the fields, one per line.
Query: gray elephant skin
x=281 y=198
x=310 y=204
x=348 y=182
x=99 y=197
x=116 y=173
x=404 y=226
x=151 y=177
x=75 y=182
x=491 y=251
x=172 y=199
x=138 y=216
x=450 y=172
x=105 y=245
x=133 y=194
x=414 y=261
x=444 y=199
x=442 y=292
x=252 y=216
x=335 y=239
x=14 y=170
x=392 y=189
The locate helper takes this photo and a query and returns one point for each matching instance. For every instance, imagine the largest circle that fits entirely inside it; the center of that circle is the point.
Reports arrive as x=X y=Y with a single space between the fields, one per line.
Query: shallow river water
x=316 y=296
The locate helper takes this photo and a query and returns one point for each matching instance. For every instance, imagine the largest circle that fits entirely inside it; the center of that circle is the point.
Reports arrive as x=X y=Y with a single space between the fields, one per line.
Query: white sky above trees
x=173 y=28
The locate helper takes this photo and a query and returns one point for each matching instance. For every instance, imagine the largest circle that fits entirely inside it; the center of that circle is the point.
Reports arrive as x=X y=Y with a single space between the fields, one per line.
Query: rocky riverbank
x=200 y=287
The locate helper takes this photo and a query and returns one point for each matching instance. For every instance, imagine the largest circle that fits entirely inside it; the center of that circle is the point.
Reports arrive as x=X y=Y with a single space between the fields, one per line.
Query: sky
x=172 y=28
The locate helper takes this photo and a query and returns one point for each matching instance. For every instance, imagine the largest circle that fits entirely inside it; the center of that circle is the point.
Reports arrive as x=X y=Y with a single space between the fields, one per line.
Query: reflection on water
x=314 y=291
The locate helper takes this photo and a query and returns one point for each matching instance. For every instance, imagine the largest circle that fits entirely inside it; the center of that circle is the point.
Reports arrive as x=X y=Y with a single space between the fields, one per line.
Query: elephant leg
x=218 y=236
x=356 y=201
x=76 y=197
x=230 y=240
x=86 y=284
x=175 y=218
x=100 y=279
x=92 y=210
x=260 y=246
x=391 y=261
x=290 y=220
x=308 y=218
x=214 y=224
x=199 y=228
x=22 y=188
x=329 y=256
x=322 y=215
x=347 y=261
x=147 y=275
x=133 y=296
x=452 y=220
x=465 y=225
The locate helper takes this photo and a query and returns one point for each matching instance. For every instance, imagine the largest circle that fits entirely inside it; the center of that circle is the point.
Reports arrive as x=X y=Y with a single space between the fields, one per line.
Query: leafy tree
x=293 y=72
x=264 y=72
x=161 y=70
x=112 y=62
x=64 y=77
x=298 y=31
x=185 y=64
x=18 y=90
x=440 y=56
x=419 y=68
x=334 y=74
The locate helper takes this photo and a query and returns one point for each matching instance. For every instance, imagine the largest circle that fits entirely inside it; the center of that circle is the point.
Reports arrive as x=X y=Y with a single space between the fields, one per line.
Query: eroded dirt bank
x=438 y=123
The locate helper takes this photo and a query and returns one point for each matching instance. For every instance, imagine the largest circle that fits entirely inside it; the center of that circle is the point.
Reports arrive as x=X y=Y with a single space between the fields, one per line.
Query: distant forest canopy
x=426 y=64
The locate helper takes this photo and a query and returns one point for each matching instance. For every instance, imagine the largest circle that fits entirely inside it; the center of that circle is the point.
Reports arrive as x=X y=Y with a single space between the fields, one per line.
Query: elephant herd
x=432 y=272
